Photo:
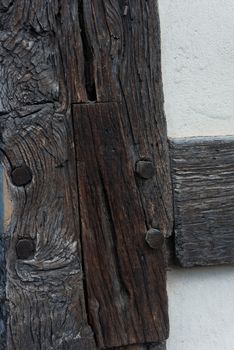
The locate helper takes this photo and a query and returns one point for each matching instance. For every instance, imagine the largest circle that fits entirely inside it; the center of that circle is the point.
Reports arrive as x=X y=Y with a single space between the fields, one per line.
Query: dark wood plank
x=46 y=306
x=44 y=280
x=203 y=179
x=123 y=63
x=125 y=277
x=52 y=54
x=122 y=41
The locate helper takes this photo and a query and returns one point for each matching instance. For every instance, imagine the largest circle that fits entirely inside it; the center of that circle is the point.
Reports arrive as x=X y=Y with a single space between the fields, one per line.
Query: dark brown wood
x=39 y=43
x=54 y=54
x=45 y=299
x=203 y=179
x=125 y=278
x=124 y=65
x=145 y=169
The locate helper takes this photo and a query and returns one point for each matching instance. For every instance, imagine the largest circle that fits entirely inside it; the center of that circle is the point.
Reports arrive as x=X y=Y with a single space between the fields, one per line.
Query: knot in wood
x=21 y=176
x=25 y=248
x=154 y=238
x=145 y=169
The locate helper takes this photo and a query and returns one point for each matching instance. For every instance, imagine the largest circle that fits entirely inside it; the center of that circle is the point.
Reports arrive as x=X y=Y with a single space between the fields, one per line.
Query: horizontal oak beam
x=203 y=180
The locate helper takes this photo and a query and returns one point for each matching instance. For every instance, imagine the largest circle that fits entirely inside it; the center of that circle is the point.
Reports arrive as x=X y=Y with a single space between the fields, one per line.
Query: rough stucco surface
x=198 y=77
x=198 y=66
x=201 y=308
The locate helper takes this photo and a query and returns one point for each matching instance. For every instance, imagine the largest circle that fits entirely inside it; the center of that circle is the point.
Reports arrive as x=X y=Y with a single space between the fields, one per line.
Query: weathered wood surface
x=54 y=54
x=2 y=270
x=5 y=215
x=45 y=297
x=125 y=279
x=44 y=289
x=123 y=66
x=123 y=63
x=203 y=179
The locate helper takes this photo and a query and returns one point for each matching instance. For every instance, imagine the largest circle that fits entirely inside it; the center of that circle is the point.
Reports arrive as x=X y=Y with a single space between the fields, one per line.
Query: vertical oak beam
x=121 y=42
x=53 y=54
x=39 y=44
x=125 y=279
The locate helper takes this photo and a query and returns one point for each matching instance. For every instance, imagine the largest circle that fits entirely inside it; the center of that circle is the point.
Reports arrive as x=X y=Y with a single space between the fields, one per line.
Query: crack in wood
x=88 y=56
x=55 y=53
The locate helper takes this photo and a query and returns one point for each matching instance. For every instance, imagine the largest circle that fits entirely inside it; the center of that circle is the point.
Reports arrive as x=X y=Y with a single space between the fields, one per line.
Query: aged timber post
x=83 y=141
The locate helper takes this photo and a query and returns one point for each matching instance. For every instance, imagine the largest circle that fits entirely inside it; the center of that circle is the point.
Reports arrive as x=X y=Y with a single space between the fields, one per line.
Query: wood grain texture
x=123 y=65
x=5 y=210
x=45 y=292
x=203 y=179
x=2 y=294
x=54 y=54
x=122 y=41
x=45 y=296
x=125 y=278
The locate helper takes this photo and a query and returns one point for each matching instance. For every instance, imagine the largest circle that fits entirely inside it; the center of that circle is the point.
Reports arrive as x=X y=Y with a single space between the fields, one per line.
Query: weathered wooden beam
x=123 y=66
x=203 y=180
x=55 y=54
x=44 y=281
x=125 y=280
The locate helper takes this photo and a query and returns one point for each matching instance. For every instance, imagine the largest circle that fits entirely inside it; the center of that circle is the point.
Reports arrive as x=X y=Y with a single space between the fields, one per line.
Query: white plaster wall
x=198 y=78
x=198 y=66
x=201 y=305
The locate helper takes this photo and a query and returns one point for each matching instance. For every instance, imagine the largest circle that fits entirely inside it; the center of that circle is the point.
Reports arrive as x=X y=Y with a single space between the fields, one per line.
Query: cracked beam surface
x=44 y=290
x=54 y=55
